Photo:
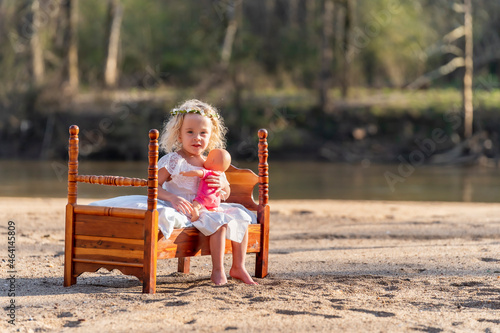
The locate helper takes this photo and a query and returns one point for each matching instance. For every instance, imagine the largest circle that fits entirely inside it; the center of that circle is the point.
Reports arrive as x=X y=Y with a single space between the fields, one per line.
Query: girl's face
x=195 y=133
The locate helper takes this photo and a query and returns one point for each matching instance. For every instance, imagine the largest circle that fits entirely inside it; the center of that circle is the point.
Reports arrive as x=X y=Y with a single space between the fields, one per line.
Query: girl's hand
x=218 y=182
x=214 y=180
x=182 y=205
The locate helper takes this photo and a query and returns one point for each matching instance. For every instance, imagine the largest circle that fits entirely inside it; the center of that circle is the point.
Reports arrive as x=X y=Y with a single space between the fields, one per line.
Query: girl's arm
x=179 y=203
x=226 y=192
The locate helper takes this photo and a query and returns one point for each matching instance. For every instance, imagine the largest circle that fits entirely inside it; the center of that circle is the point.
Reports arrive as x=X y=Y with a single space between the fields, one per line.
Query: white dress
x=235 y=216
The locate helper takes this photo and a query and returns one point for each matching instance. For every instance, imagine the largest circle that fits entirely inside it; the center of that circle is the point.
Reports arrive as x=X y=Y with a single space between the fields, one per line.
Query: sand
x=343 y=266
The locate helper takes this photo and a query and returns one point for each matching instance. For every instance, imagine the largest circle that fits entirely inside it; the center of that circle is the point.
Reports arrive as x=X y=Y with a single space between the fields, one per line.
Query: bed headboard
x=243 y=181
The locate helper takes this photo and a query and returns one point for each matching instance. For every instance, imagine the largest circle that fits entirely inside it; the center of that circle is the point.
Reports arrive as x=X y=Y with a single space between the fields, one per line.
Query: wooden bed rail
x=111 y=180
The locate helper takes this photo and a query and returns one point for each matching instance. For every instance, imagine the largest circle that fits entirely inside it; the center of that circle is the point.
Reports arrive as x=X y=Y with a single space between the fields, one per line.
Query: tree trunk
x=347 y=43
x=38 y=64
x=293 y=17
x=56 y=12
x=232 y=27
x=310 y=13
x=326 y=57
x=234 y=11
x=72 y=77
x=469 y=65
x=310 y=31
x=115 y=15
x=270 y=6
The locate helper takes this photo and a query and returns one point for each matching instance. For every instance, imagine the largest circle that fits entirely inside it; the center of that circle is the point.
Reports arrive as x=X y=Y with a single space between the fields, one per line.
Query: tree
x=234 y=12
x=325 y=77
x=469 y=67
x=72 y=76
x=350 y=9
x=115 y=15
x=463 y=58
x=38 y=64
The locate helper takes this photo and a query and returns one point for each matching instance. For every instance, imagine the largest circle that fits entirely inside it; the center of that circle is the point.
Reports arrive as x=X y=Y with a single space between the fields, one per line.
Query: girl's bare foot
x=218 y=277
x=241 y=274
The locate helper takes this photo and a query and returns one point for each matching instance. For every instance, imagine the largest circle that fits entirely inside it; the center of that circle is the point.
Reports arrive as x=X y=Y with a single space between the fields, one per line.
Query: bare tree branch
x=435 y=74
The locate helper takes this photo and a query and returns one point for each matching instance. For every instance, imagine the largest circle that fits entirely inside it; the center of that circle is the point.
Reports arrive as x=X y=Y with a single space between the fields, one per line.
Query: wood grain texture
x=242 y=182
x=261 y=263
x=110 y=211
x=82 y=266
x=153 y=169
x=111 y=180
x=151 y=218
x=263 y=212
x=72 y=163
x=263 y=168
x=150 y=250
x=109 y=226
x=108 y=243
x=68 y=246
x=111 y=255
x=183 y=265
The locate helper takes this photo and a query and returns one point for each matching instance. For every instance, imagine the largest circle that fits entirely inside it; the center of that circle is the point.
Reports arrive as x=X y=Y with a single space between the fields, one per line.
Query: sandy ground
x=334 y=266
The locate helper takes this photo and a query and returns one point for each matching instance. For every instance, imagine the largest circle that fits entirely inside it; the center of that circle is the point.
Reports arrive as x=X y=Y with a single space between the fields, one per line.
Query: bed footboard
x=107 y=237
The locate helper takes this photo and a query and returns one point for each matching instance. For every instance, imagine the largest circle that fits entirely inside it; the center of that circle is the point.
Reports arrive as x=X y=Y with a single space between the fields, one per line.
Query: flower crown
x=175 y=112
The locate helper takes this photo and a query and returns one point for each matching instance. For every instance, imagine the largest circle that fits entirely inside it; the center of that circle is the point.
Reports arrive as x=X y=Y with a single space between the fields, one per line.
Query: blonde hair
x=169 y=139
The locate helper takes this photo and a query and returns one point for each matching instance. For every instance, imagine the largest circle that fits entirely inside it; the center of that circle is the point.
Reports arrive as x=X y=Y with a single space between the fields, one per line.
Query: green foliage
x=172 y=50
x=393 y=42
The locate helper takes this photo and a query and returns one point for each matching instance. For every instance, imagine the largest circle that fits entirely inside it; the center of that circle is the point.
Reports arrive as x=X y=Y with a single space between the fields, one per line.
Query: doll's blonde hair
x=169 y=139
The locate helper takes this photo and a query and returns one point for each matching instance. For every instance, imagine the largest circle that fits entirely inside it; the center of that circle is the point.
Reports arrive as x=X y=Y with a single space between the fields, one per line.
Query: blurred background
x=363 y=99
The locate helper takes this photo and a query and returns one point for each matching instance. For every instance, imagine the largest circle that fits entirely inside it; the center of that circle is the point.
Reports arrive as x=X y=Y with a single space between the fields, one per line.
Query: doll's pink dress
x=208 y=197
x=235 y=216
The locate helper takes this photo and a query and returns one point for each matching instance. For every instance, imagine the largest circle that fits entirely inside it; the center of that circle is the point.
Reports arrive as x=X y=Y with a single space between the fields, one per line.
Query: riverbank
x=371 y=125
x=334 y=266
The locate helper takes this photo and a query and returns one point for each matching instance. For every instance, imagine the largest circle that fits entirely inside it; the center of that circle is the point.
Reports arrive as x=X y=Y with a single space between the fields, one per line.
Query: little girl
x=193 y=129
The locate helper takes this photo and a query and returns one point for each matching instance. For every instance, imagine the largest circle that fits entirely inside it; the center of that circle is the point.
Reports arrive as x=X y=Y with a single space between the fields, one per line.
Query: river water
x=288 y=180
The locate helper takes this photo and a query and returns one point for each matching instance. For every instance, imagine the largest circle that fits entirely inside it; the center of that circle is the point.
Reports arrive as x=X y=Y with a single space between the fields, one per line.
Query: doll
x=217 y=162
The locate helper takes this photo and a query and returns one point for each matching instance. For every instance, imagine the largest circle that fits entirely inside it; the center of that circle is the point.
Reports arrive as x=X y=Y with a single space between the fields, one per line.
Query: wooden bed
x=128 y=239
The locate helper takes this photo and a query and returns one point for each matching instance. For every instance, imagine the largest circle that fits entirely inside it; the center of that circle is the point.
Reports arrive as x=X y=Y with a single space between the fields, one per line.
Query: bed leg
x=69 y=278
x=150 y=248
x=183 y=265
x=261 y=262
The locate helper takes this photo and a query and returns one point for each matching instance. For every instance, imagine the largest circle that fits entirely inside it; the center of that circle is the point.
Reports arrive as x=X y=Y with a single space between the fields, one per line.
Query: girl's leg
x=217 y=247
x=238 y=269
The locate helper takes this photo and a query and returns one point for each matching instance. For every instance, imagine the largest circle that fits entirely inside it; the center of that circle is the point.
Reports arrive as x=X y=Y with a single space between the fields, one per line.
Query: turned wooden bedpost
x=72 y=193
x=153 y=169
x=73 y=163
x=263 y=210
x=151 y=225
